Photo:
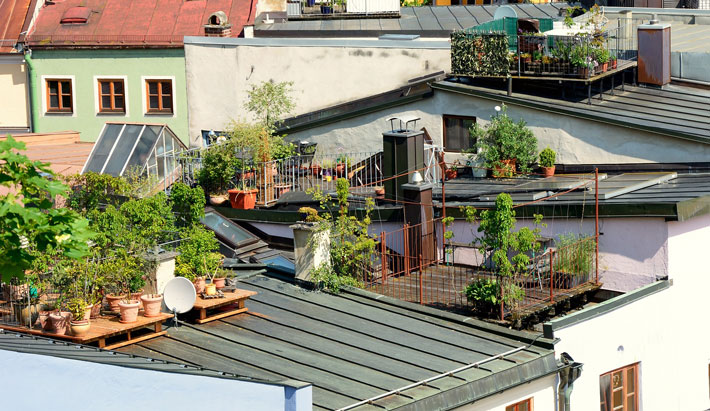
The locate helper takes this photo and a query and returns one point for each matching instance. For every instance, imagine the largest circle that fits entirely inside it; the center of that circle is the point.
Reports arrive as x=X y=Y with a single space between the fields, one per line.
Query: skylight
x=76 y=15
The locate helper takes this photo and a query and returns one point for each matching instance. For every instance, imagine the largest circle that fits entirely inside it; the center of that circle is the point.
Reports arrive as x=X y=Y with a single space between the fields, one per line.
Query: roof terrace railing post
x=552 y=277
x=406 y=250
x=596 y=225
x=383 y=250
x=421 y=282
x=502 y=297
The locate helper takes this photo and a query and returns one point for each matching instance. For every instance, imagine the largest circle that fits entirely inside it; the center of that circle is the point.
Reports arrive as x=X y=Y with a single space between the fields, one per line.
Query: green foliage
x=484 y=291
x=311 y=214
x=269 y=101
x=150 y=218
x=89 y=190
x=218 y=168
x=77 y=308
x=601 y=55
x=198 y=253
x=188 y=204
x=504 y=139
x=27 y=214
x=326 y=278
x=547 y=157
x=477 y=54
x=575 y=254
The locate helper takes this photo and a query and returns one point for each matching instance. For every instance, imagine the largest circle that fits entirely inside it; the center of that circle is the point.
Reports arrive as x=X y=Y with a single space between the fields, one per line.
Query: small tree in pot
x=547 y=161
x=503 y=143
x=199 y=244
x=77 y=307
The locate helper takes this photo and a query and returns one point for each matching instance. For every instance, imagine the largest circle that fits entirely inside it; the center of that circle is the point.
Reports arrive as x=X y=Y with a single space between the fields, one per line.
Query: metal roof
x=683 y=197
x=12 y=17
x=675 y=111
x=353 y=347
x=134 y=23
x=427 y=21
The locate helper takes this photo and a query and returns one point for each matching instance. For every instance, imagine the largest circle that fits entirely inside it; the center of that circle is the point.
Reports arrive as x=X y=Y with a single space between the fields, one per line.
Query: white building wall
x=664 y=332
x=14 y=100
x=39 y=382
x=543 y=391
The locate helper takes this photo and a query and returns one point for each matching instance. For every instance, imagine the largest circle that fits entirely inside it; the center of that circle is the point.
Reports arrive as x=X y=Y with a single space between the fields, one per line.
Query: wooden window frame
x=112 y=95
x=60 y=94
x=160 y=95
x=516 y=406
x=444 y=117
x=624 y=370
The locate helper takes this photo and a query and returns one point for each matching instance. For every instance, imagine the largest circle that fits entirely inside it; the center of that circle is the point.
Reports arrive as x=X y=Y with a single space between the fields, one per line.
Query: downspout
x=571 y=371
x=30 y=81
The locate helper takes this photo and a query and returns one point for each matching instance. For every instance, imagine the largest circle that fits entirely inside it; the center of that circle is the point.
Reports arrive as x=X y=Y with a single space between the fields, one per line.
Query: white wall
x=576 y=140
x=36 y=382
x=543 y=391
x=324 y=72
x=666 y=332
x=632 y=251
x=14 y=101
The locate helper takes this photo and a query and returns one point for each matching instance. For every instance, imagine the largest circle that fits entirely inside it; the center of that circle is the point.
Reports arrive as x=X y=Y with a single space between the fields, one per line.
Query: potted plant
x=151 y=304
x=452 y=172
x=198 y=244
x=243 y=138
x=217 y=169
x=601 y=55
x=309 y=214
x=574 y=259
x=612 y=60
x=484 y=293
x=503 y=143
x=79 y=324
x=547 y=161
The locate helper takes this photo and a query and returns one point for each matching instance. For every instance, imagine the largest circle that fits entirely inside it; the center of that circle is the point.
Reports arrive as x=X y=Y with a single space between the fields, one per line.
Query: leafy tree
x=29 y=224
x=198 y=253
x=269 y=101
x=188 y=204
x=150 y=218
x=90 y=190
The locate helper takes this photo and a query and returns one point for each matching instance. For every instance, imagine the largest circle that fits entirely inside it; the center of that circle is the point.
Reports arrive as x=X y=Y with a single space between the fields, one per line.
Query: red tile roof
x=135 y=23
x=12 y=18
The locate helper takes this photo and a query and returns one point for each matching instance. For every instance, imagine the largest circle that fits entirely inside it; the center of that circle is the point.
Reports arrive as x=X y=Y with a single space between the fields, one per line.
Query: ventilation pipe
x=654 y=53
x=568 y=375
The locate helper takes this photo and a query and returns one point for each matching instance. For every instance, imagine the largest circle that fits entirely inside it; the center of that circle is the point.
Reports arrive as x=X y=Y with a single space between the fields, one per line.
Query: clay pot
x=218 y=200
x=113 y=301
x=507 y=169
x=242 y=199
x=219 y=283
x=151 y=305
x=380 y=191
x=80 y=328
x=44 y=320
x=87 y=312
x=451 y=174
x=26 y=314
x=59 y=322
x=548 y=171
x=129 y=311
x=199 y=284
x=95 y=310
x=137 y=297
x=210 y=289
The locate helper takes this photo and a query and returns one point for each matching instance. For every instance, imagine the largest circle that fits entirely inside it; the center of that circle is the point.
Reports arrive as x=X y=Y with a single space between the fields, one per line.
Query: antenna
x=179 y=296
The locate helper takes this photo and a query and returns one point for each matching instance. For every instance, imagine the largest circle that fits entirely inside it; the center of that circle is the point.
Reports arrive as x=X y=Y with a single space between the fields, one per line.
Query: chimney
x=654 y=53
x=217 y=25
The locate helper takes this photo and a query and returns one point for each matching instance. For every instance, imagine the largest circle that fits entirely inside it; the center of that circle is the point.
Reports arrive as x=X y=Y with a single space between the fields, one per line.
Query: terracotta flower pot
x=80 y=328
x=151 y=305
x=605 y=67
x=44 y=319
x=506 y=169
x=210 y=289
x=315 y=169
x=451 y=174
x=59 y=322
x=218 y=283
x=548 y=171
x=95 y=310
x=137 y=297
x=242 y=199
x=87 y=312
x=340 y=169
x=113 y=301
x=218 y=200
x=129 y=311
x=380 y=191
x=613 y=64
x=199 y=284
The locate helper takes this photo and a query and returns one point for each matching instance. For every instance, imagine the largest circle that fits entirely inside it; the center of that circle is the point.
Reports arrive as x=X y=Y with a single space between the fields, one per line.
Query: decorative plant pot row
x=202 y=286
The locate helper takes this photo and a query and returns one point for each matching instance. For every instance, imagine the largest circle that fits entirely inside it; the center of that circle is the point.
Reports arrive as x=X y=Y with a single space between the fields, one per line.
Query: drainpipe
x=30 y=80
x=568 y=375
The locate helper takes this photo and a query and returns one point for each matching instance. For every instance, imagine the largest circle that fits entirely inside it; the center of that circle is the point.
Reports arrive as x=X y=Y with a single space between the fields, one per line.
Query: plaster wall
x=14 y=104
x=542 y=390
x=632 y=251
x=324 y=73
x=108 y=387
x=661 y=332
x=576 y=140
x=85 y=67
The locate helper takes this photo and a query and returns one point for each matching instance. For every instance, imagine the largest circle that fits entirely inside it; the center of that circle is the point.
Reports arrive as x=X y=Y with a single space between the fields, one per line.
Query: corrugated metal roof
x=428 y=21
x=135 y=23
x=12 y=18
x=352 y=347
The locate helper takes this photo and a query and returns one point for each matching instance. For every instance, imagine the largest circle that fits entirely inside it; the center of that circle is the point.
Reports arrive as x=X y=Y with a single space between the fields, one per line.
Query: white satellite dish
x=179 y=296
x=504 y=11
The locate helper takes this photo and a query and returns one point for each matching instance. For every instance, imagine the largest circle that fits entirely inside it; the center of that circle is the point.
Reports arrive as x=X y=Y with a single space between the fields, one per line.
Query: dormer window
x=76 y=15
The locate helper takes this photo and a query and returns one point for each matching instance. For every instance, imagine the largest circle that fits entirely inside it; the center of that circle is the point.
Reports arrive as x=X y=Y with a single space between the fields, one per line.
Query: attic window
x=76 y=15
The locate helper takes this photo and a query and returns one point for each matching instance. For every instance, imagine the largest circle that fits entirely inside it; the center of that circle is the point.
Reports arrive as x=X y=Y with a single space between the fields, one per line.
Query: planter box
x=243 y=200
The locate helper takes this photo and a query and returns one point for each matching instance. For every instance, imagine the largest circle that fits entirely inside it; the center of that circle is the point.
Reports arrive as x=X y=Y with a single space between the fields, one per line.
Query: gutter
x=31 y=86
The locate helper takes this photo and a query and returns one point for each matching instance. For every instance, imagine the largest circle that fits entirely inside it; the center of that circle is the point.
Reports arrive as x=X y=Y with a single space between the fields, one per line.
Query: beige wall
x=576 y=140
x=14 y=105
x=323 y=72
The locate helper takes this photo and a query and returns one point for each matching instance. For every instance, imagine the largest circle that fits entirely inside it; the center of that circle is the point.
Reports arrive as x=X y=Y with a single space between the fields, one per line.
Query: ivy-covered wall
x=475 y=54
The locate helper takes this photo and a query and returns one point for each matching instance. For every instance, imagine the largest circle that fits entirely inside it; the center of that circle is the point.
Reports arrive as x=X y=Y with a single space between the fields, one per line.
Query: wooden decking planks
x=237 y=297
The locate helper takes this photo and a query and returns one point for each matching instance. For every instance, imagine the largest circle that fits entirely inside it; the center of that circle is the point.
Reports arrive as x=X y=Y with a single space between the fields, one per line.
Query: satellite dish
x=504 y=11
x=179 y=296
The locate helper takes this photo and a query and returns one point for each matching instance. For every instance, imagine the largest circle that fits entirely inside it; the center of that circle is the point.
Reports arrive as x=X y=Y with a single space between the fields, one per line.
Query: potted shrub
x=309 y=214
x=151 y=304
x=218 y=168
x=547 y=161
x=452 y=172
x=198 y=244
x=244 y=138
x=78 y=309
x=601 y=55
x=504 y=143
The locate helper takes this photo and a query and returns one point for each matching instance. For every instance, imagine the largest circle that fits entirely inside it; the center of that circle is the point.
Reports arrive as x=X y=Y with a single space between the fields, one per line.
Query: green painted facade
x=85 y=68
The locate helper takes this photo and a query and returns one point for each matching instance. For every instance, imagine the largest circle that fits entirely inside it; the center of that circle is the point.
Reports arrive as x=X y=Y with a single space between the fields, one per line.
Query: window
x=525 y=405
x=112 y=96
x=159 y=94
x=59 y=96
x=618 y=390
x=456 y=135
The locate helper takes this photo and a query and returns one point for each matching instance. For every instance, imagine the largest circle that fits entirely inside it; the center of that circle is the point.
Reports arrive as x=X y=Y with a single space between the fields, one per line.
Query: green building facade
x=82 y=89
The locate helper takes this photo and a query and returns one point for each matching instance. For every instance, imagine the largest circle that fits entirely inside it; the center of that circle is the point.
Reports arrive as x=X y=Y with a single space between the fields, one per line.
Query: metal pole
x=406 y=250
x=596 y=223
x=500 y=281
x=443 y=210
x=384 y=259
x=421 y=282
x=552 y=274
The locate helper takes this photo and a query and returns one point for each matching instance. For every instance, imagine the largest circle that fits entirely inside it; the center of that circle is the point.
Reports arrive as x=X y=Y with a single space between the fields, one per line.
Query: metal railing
x=107 y=39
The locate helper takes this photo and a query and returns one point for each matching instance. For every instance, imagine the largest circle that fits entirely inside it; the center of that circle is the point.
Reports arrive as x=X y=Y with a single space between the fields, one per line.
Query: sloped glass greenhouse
x=148 y=150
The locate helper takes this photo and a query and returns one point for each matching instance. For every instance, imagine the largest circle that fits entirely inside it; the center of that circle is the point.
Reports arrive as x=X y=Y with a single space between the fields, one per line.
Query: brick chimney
x=217 y=25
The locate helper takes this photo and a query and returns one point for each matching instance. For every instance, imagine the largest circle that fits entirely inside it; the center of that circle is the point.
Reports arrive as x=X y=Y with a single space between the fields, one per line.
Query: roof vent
x=76 y=15
x=217 y=25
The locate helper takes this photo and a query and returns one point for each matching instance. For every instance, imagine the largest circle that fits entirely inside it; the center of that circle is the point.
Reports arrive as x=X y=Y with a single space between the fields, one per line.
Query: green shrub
x=477 y=54
x=575 y=254
x=484 y=291
x=198 y=253
x=547 y=157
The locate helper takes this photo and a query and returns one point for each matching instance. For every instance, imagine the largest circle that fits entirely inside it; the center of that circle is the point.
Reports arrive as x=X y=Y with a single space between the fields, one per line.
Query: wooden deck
x=106 y=327
x=233 y=299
